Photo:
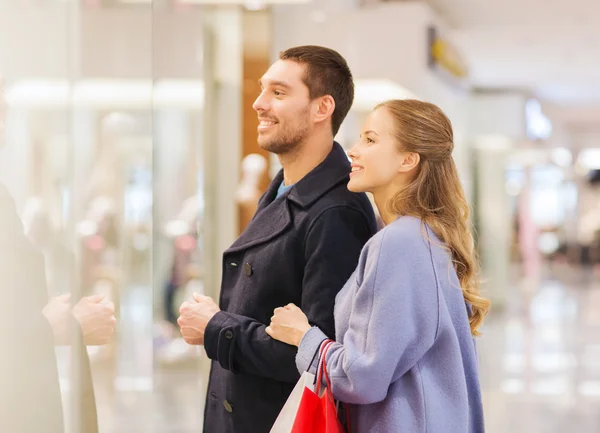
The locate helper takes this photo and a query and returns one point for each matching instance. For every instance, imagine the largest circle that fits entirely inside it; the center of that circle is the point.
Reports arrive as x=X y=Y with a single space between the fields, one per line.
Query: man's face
x=283 y=107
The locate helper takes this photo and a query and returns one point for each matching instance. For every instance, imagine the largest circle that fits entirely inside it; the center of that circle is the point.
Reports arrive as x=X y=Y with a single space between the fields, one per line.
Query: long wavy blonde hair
x=435 y=195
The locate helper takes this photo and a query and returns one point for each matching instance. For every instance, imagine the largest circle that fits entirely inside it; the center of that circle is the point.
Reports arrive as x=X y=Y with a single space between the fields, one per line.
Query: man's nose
x=261 y=103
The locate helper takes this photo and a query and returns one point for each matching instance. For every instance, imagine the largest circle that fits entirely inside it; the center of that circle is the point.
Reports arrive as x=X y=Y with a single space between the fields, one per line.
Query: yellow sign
x=446 y=56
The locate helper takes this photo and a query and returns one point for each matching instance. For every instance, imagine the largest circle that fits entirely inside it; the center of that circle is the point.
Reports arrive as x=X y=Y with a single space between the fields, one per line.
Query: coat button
x=229 y=334
x=228 y=406
x=248 y=269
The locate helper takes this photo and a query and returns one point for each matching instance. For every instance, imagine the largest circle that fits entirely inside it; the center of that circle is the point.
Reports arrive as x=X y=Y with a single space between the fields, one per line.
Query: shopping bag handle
x=317 y=352
x=322 y=370
x=322 y=367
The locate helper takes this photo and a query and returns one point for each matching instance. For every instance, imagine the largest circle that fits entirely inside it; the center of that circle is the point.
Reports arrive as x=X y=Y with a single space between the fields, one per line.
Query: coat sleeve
x=332 y=248
x=393 y=322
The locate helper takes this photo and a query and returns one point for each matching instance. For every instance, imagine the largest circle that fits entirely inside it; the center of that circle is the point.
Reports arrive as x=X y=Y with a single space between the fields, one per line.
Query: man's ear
x=325 y=106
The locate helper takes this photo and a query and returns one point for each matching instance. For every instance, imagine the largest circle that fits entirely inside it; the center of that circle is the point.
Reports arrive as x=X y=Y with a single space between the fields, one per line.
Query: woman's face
x=377 y=162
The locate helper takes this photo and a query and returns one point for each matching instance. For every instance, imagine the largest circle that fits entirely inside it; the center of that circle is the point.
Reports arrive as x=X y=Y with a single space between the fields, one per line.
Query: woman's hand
x=288 y=325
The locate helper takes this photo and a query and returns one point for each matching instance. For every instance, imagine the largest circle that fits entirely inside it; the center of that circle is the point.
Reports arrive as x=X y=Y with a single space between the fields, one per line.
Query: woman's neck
x=381 y=201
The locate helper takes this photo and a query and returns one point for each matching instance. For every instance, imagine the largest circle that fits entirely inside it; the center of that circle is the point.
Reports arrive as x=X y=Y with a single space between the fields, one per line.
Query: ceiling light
x=105 y=93
x=255 y=5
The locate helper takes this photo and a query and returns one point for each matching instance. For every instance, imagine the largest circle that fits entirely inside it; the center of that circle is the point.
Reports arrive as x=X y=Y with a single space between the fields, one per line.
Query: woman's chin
x=354 y=186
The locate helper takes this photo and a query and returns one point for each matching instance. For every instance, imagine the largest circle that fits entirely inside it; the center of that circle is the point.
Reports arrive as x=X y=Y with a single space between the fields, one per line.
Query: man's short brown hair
x=327 y=73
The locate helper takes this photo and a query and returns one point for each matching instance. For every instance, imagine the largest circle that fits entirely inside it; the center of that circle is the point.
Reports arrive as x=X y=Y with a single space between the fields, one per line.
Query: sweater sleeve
x=393 y=321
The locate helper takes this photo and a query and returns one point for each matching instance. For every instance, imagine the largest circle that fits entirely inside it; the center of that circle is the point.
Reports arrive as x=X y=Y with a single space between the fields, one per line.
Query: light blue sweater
x=404 y=358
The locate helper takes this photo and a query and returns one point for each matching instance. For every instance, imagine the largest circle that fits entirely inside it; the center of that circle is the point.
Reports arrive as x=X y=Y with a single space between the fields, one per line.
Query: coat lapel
x=272 y=217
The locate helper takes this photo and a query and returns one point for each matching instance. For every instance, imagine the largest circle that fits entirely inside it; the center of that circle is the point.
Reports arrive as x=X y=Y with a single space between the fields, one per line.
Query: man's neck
x=298 y=164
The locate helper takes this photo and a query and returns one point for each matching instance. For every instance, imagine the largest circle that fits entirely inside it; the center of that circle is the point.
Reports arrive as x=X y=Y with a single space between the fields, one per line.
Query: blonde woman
x=405 y=355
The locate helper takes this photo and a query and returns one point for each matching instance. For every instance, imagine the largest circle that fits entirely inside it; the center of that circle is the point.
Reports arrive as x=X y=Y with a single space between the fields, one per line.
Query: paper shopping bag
x=310 y=408
x=317 y=412
x=287 y=416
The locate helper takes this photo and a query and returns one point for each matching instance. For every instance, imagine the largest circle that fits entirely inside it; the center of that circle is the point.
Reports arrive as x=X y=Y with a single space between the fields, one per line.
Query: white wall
x=586 y=139
x=384 y=41
x=498 y=114
x=33 y=40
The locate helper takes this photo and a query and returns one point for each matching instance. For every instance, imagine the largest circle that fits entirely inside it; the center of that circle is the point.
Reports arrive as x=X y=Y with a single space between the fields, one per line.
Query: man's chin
x=269 y=146
x=278 y=147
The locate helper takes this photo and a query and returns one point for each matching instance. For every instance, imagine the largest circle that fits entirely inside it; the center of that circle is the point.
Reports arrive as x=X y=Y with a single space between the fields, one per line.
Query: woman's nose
x=352 y=153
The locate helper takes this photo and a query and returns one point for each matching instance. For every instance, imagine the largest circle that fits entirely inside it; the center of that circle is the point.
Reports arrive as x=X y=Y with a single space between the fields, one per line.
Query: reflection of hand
x=288 y=325
x=96 y=319
x=194 y=316
x=58 y=314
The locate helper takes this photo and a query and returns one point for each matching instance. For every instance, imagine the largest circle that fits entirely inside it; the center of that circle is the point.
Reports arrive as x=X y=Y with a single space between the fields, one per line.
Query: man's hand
x=96 y=319
x=194 y=316
x=58 y=314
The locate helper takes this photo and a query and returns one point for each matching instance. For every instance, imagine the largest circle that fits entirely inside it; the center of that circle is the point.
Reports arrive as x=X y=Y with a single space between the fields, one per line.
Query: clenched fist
x=96 y=319
x=288 y=325
x=194 y=316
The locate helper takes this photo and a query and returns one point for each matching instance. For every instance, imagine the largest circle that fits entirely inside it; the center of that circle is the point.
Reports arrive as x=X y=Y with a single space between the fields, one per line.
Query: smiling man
x=301 y=246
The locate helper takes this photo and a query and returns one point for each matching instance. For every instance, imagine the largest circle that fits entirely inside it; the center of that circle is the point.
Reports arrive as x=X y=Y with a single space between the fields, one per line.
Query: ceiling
x=551 y=47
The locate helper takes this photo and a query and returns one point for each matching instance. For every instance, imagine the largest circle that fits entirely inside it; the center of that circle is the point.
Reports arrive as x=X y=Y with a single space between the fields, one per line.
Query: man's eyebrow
x=274 y=83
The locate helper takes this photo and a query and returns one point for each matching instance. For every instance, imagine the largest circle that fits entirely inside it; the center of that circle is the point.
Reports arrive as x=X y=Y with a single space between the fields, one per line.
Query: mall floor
x=540 y=367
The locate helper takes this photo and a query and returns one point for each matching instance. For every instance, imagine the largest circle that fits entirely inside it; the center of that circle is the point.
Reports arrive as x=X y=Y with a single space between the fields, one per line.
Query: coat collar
x=331 y=172
x=273 y=216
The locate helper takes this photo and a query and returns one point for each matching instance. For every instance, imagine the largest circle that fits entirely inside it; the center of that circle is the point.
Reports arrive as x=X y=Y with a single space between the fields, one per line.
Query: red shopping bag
x=317 y=413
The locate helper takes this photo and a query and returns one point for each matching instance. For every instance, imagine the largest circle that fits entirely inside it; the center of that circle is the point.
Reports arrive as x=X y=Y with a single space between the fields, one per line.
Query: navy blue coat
x=301 y=248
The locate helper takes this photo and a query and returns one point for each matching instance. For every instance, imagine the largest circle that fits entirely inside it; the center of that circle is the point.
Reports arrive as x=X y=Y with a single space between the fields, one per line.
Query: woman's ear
x=410 y=160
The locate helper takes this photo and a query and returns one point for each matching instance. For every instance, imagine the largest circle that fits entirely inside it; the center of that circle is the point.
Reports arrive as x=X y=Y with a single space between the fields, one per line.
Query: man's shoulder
x=343 y=205
x=340 y=198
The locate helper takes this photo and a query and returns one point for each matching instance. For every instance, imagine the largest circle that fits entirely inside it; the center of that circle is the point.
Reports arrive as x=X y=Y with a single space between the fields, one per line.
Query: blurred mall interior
x=130 y=151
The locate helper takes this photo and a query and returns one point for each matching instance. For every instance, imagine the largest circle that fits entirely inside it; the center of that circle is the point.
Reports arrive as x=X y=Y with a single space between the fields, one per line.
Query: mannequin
x=254 y=167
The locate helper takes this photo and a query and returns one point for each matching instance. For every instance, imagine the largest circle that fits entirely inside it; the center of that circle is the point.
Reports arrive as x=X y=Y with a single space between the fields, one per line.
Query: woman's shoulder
x=406 y=230
x=406 y=235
